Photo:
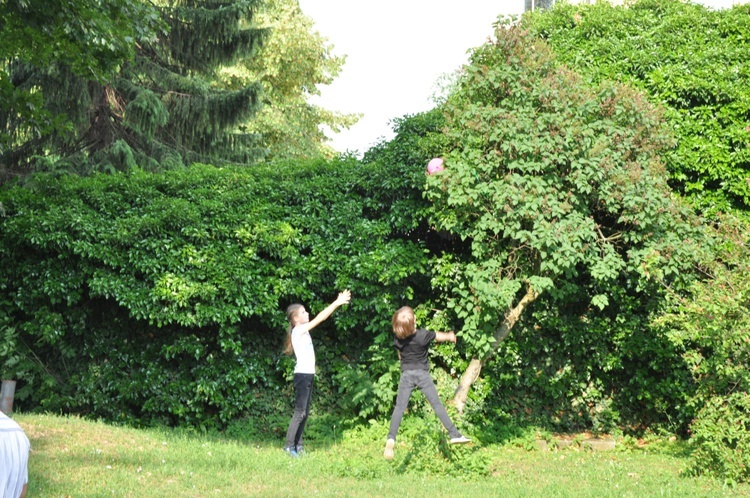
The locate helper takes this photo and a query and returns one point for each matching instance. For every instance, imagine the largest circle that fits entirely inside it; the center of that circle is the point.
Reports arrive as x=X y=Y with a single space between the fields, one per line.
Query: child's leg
x=427 y=386
x=301 y=429
x=405 y=386
x=302 y=391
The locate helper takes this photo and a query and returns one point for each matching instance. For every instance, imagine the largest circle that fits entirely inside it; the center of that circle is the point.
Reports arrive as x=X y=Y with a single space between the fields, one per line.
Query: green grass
x=79 y=458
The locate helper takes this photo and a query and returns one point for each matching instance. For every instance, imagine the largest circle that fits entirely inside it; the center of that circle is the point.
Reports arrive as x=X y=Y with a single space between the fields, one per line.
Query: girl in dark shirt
x=412 y=346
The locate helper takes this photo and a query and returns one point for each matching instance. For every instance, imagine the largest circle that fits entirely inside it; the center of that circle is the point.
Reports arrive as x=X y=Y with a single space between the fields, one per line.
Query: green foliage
x=99 y=92
x=691 y=62
x=711 y=323
x=92 y=39
x=688 y=59
x=418 y=139
x=711 y=327
x=586 y=357
x=159 y=298
x=292 y=64
x=555 y=186
x=164 y=107
x=368 y=389
x=13 y=361
x=721 y=435
x=573 y=368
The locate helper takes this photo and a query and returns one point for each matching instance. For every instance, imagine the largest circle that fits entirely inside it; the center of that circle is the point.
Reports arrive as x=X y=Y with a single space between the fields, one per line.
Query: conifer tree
x=93 y=38
x=164 y=109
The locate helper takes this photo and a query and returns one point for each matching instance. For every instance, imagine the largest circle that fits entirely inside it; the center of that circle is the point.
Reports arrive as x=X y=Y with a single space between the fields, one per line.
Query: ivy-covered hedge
x=688 y=59
x=711 y=326
x=159 y=298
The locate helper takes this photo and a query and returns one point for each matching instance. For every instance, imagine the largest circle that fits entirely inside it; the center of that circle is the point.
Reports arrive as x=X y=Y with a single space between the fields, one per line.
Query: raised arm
x=343 y=298
x=445 y=337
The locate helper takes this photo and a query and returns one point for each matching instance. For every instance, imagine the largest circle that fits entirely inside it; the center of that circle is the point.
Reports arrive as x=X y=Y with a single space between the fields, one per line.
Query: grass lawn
x=72 y=457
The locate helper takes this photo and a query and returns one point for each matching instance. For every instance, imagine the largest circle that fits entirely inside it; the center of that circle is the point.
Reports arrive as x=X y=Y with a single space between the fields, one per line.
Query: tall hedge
x=159 y=298
x=690 y=60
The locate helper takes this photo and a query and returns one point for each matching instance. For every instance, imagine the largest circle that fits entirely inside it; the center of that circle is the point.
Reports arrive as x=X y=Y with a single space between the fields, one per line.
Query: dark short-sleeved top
x=414 y=350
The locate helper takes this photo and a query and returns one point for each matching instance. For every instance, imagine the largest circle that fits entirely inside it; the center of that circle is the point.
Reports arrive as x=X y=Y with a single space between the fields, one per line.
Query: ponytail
x=291 y=312
x=288 y=348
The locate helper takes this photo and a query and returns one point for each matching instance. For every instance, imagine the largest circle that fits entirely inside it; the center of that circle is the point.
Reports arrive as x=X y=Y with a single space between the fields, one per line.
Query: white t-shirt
x=303 y=350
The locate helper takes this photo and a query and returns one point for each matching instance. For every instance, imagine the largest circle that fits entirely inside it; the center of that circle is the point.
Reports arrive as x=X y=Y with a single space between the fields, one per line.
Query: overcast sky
x=396 y=52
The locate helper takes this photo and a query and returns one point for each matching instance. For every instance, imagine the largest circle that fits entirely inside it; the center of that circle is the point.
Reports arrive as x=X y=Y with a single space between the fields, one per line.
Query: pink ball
x=435 y=165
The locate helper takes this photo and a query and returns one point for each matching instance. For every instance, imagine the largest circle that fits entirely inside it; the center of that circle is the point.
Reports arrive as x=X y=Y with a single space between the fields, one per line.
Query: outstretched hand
x=344 y=297
x=452 y=337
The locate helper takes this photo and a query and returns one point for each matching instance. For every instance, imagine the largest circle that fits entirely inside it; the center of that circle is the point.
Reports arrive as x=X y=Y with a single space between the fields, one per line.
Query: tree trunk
x=475 y=366
x=470 y=375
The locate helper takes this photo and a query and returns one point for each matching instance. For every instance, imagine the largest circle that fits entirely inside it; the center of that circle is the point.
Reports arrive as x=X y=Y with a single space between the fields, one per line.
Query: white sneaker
x=460 y=440
x=388 y=453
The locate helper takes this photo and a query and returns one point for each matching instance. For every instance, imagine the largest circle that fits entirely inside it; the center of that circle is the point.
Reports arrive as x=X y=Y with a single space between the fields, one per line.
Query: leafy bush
x=158 y=298
x=688 y=59
x=711 y=327
x=368 y=389
x=595 y=370
x=721 y=435
x=556 y=188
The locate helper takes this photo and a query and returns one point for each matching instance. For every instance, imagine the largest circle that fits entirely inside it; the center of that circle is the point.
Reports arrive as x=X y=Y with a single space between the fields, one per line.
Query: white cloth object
x=14 y=458
x=303 y=350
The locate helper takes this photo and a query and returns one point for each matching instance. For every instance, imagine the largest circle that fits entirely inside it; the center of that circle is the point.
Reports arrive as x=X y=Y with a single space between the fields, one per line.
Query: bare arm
x=343 y=298
x=445 y=337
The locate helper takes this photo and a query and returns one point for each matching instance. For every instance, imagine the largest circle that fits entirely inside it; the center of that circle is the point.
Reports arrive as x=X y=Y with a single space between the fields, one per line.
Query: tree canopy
x=162 y=109
x=557 y=186
x=170 y=89
x=92 y=39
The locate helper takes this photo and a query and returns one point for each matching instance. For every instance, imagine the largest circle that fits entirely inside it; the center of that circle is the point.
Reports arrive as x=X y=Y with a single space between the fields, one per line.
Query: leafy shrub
x=711 y=327
x=721 y=435
x=158 y=298
x=368 y=388
x=688 y=59
x=557 y=189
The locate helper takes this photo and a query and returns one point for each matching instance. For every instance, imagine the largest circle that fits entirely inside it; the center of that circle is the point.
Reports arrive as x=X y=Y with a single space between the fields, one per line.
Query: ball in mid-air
x=435 y=165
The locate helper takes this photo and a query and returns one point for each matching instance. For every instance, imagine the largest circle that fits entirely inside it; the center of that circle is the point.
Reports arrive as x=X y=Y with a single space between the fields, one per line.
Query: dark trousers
x=303 y=384
x=411 y=379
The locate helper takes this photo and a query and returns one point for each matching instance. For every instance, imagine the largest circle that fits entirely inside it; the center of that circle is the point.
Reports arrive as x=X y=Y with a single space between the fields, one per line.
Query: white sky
x=396 y=52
